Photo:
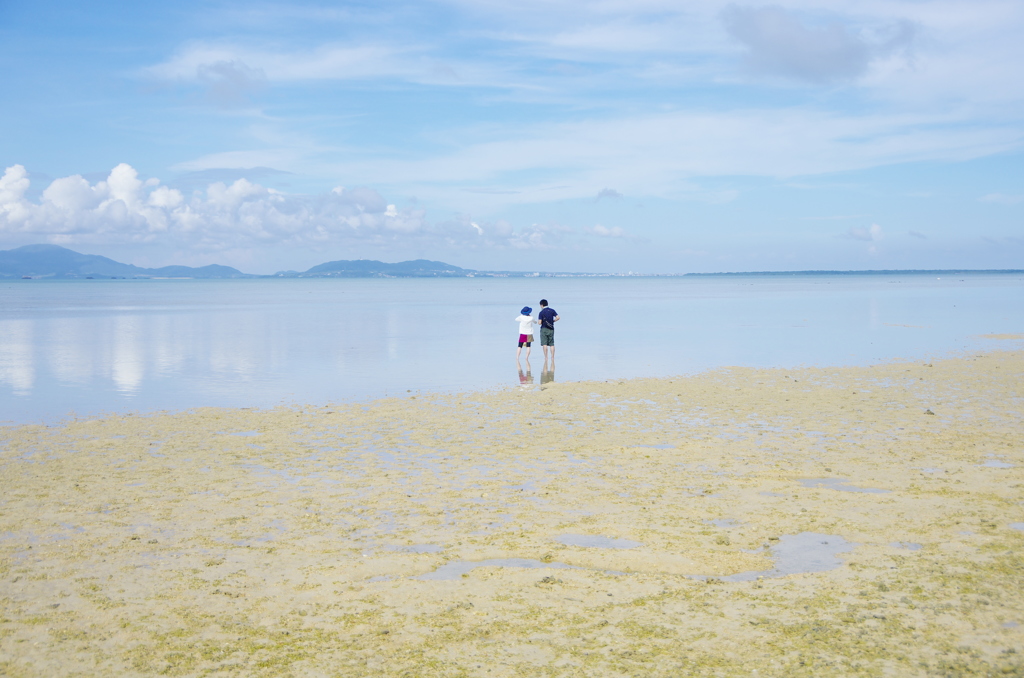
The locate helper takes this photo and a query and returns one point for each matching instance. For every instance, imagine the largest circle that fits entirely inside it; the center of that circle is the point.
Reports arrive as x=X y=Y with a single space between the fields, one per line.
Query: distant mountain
x=53 y=261
x=367 y=268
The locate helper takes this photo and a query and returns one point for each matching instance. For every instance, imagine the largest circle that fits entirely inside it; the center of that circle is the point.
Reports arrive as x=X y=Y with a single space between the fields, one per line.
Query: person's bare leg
x=527 y=354
x=518 y=351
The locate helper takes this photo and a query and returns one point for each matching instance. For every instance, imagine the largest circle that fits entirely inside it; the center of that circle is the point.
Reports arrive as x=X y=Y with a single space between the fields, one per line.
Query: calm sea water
x=88 y=347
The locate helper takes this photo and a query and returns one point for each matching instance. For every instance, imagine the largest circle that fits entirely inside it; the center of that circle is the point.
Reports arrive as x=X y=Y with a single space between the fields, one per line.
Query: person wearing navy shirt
x=547 y=317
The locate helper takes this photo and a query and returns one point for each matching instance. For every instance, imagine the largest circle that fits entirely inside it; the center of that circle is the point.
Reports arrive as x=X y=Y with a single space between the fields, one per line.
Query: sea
x=83 y=348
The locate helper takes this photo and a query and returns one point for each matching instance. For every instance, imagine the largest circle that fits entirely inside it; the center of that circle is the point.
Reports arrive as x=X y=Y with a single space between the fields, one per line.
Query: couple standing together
x=546 y=319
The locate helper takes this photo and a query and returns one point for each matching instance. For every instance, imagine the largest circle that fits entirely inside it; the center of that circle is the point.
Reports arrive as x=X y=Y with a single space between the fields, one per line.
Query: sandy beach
x=775 y=522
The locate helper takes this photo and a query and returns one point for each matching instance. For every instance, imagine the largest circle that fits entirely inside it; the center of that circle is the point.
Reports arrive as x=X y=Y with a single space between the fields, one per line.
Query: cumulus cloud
x=871 y=234
x=242 y=214
x=195 y=180
x=607 y=193
x=917 y=234
x=123 y=208
x=779 y=43
x=13 y=185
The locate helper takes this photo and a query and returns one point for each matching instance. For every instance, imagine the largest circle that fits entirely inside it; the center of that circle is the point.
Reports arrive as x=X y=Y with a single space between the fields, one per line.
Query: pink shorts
x=525 y=338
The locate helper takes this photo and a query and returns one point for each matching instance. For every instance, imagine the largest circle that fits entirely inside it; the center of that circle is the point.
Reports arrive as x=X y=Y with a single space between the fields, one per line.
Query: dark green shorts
x=547 y=336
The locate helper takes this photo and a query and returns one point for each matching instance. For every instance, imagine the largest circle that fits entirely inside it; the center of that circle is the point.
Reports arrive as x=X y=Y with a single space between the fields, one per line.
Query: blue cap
x=526 y=310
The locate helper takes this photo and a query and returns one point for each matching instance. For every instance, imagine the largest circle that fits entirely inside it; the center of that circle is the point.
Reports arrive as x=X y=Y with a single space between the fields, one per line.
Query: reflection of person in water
x=525 y=378
x=547 y=375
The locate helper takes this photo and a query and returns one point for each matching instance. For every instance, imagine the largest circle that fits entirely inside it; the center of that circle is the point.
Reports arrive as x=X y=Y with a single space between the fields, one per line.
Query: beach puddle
x=995 y=463
x=839 y=484
x=799 y=554
x=1017 y=526
x=455 y=569
x=908 y=545
x=592 y=541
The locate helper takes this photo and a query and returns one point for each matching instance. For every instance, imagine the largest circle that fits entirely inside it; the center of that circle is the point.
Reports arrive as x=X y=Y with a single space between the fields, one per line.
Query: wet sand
x=820 y=521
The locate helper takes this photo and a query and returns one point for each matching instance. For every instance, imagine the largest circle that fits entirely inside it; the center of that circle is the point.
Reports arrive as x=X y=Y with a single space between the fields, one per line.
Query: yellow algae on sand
x=582 y=529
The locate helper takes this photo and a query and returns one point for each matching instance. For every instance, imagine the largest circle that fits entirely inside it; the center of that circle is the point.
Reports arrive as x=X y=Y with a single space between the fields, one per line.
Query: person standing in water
x=547 y=319
x=526 y=323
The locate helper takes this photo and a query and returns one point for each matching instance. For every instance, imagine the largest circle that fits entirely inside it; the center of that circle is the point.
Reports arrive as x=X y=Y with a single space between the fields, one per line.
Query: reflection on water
x=17 y=366
x=127 y=367
x=526 y=379
x=94 y=346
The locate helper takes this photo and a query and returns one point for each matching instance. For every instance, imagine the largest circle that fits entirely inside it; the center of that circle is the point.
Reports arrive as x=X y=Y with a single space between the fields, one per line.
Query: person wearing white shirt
x=526 y=323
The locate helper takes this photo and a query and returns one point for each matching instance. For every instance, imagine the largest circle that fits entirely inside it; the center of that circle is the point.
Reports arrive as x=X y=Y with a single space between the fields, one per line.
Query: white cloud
x=231 y=72
x=871 y=234
x=13 y=185
x=230 y=83
x=956 y=97
x=605 y=232
x=607 y=193
x=1002 y=198
x=125 y=209
x=228 y=160
x=243 y=214
x=780 y=43
x=961 y=50
x=166 y=197
x=660 y=154
x=196 y=61
x=70 y=193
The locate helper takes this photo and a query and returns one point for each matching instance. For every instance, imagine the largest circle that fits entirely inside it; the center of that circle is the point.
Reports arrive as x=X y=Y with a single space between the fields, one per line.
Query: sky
x=651 y=136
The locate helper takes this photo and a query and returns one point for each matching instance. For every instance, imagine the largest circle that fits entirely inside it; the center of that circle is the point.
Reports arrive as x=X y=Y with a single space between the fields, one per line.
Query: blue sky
x=615 y=135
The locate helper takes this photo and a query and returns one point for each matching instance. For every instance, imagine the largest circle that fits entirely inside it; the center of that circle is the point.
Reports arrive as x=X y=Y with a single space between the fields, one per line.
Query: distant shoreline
x=35 y=262
x=520 y=274
x=909 y=271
